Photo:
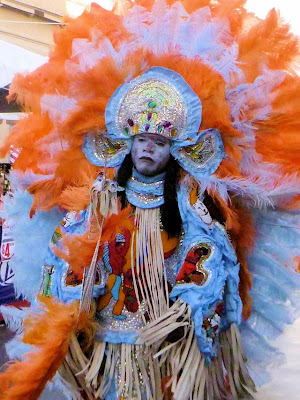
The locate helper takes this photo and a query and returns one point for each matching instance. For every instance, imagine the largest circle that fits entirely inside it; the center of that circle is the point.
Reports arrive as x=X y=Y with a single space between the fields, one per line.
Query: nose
x=149 y=146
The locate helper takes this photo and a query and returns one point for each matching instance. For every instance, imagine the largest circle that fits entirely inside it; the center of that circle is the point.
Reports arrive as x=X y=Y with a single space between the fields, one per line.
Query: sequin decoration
x=106 y=148
x=202 y=158
x=153 y=106
x=144 y=200
x=145 y=195
x=156 y=188
x=48 y=271
x=211 y=324
x=110 y=325
x=202 y=151
x=172 y=261
x=102 y=151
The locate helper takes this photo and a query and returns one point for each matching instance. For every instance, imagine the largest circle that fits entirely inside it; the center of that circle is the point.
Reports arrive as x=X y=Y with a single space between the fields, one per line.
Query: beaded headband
x=158 y=102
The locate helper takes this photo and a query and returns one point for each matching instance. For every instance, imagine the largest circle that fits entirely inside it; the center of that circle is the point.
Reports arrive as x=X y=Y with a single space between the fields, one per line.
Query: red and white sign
x=8 y=244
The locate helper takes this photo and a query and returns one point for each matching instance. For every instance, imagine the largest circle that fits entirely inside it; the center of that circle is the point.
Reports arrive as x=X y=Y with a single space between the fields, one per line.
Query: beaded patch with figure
x=211 y=324
x=192 y=270
x=114 y=259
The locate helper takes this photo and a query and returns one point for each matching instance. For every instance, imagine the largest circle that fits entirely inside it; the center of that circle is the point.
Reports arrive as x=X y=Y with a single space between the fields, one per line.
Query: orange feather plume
x=264 y=43
x=278 y=139
x=259 y=42
x=50 y=331
x=78 y=250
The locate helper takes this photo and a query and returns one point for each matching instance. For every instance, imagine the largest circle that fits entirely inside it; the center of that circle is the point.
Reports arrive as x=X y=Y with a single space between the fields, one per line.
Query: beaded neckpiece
x=145 y=191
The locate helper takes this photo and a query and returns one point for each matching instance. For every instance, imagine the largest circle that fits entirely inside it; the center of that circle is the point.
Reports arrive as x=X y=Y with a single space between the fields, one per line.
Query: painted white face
x=150 y=153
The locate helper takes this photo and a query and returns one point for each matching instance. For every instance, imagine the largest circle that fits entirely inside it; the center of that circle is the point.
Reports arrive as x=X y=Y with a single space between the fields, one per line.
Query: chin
x=147 y=172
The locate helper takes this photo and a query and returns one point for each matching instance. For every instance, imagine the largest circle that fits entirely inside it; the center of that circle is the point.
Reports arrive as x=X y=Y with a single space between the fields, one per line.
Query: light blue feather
x=31 y=236
x=261 y=355
x=276 y=288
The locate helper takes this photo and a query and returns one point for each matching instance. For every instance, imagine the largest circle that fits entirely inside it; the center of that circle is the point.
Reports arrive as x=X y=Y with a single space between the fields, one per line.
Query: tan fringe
x=138 y=370
x=70 y=371
x=104 y=198
x=89 y=281
x=234 y=361
x=107 y=203
x=190 y=378
x=67 y=378
x=200 y=381
x=130 y=366
x=149 y=278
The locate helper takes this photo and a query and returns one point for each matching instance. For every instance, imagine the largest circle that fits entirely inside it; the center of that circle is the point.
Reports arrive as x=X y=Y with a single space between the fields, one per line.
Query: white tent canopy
x=16 y=59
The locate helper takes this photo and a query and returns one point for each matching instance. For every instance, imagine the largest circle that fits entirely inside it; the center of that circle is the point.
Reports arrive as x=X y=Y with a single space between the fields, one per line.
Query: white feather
x=259 y=192
x=56 y=389
x=52 y=143
x=273 y=262
x=136 y=21
x=57 y=106
x=20 y=181
x=13 y=317
x=157 y=37
x=15 y=348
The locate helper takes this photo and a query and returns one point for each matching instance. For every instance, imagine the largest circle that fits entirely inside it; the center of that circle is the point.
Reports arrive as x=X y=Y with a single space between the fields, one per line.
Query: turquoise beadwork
x=152 y=104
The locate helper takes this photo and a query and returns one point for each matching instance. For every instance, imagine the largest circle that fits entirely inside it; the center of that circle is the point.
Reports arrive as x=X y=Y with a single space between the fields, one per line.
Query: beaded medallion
x=103 y=151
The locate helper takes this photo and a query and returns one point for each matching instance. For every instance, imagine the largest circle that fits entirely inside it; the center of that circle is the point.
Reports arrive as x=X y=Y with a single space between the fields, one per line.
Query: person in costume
x=149 y=300
x=159 y=128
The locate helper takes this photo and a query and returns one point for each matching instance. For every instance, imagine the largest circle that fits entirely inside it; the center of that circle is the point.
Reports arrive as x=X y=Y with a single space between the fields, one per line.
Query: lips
x=146 y=159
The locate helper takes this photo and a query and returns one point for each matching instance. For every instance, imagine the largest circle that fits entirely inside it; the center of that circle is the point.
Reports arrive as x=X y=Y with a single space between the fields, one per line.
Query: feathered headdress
x=240 y=67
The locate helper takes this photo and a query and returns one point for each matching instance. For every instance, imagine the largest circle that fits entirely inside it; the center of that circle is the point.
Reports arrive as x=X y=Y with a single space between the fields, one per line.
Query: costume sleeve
x=207 y=278
x=58 y=278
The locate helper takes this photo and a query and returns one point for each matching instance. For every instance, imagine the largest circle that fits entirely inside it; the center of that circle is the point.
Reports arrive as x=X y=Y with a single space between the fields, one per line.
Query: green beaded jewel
x=152 y=104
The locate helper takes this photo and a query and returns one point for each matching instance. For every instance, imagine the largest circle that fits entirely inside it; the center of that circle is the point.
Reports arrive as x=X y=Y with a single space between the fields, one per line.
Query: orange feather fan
x=264 y=43
x=278 y=138
x=50 y=331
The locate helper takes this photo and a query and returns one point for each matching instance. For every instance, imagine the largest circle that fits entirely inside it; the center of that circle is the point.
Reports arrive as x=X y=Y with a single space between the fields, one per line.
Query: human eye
x=160 y=144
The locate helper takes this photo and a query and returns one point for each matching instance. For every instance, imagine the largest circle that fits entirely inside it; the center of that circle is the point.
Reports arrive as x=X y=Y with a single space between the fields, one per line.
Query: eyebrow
x=160 y=138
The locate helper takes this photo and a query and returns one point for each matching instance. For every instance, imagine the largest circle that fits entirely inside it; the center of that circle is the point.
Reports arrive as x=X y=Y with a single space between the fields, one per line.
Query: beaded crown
x=160 y=101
